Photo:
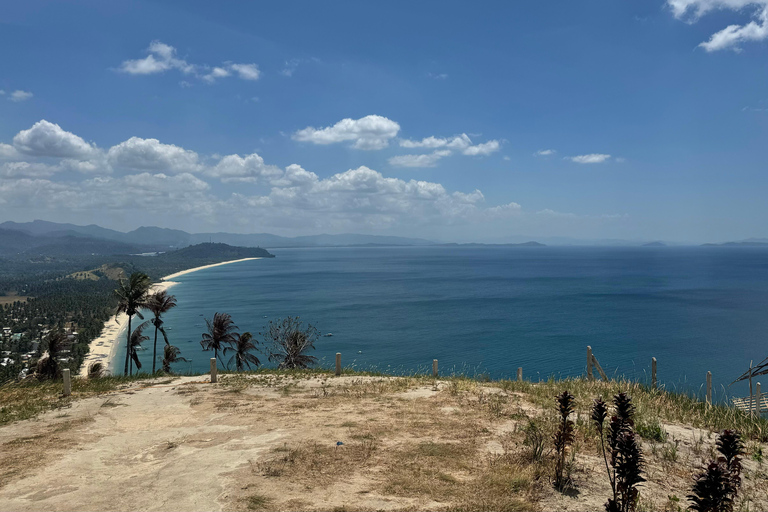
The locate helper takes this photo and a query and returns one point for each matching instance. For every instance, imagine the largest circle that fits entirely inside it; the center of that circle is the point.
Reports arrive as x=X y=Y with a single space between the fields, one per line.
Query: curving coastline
x=104 y=348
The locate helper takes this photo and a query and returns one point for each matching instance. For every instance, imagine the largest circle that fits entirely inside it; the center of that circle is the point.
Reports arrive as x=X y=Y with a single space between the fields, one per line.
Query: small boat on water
x=328 y=335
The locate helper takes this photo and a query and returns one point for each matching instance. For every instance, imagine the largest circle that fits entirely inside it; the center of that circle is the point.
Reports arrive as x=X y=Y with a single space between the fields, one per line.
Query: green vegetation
x=73 y=292
x=222 y=331
x=132 y=297
x=242 y=348
x=159 y=303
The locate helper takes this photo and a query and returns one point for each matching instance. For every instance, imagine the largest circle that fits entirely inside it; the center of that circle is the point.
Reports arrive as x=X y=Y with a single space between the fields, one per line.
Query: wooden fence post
x=589 y=363
x=214 y=371
x=338 y=363
x=653 y=372
x=434 y=368
x=709 y=388
x=520 y=374
x=758 y=400
x=67 y=382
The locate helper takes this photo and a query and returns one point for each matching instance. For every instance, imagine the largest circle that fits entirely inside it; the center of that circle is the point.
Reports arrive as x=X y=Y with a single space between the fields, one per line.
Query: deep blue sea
x=490 y=310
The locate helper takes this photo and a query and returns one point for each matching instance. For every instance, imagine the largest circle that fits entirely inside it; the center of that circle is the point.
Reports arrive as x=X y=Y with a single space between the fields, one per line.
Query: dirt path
x=270 y=443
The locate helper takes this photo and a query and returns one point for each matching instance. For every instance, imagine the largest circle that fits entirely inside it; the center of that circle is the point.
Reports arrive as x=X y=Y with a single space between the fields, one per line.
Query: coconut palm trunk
x=128 y=346
x=154 y=353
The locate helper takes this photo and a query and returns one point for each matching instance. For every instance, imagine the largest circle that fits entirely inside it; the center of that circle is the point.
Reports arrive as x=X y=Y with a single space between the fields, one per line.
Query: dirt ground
x=273 y=443
x=11 y=298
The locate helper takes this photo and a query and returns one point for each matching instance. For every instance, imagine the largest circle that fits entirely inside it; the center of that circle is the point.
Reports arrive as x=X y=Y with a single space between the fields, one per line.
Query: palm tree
x=171 y=356
x=221 y=331
x=48 y=366
x=134 y=343
x=242 y=348
x=132 y=297
x=159 y=303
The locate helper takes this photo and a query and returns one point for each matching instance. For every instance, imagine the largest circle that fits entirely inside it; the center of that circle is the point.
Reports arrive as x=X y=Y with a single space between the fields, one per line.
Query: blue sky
x=447 y=120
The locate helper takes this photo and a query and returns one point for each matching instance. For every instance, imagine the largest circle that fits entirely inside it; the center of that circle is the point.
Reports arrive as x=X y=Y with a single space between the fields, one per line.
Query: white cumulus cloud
x=732 y=36
x=163 y=57
x=545 y=152
x=425 y=160
x=250 y=168
x=47 y=139
x=369 y=132
x=18 y=96
x=246 y=71
x=27 y=170
x=8 y=152
x=484 y=149
x=151 y=154
x=594 y=158
x=460 y=143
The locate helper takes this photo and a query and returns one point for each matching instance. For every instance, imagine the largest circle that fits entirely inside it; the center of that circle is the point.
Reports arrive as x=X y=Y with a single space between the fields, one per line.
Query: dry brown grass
x=412 y=443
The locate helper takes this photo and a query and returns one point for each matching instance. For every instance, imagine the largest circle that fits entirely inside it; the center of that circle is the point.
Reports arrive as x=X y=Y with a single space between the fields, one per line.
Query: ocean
x=486 y=311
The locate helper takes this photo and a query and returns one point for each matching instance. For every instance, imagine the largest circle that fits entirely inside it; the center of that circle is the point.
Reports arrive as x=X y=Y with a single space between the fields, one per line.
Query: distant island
x=524 y=244
x=655 y=244
x=744 y=243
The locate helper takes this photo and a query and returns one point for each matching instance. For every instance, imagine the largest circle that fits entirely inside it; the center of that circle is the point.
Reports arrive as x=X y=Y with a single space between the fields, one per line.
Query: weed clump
x=564 y=436
x=626 y=459
x=716 y=488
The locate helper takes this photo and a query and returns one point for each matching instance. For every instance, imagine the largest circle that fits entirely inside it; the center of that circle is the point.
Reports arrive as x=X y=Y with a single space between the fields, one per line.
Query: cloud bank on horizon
x=146 y=175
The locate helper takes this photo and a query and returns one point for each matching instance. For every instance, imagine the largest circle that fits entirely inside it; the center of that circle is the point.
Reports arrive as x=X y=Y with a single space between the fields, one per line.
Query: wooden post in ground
x=434 y=368
x=214 y=371
x=67 y=382
x=750 y=388
x=709 y=388
x=338 y=363
x=520 y=374
x=757 y=401
x=589 y=363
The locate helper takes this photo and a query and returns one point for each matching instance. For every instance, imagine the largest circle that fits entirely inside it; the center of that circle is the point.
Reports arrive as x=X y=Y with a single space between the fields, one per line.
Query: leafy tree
x=159 y=303
x=221 y=331
x=171 y=355
x=132 y=297
x=242 y=357
x=289 y=341
x=134 y=343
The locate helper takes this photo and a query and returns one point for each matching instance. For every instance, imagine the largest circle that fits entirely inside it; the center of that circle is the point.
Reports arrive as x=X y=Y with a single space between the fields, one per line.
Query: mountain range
x=41 y=237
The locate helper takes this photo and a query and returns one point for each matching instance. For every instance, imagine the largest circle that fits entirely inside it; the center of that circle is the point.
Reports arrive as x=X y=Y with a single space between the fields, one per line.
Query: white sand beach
x=104 y=348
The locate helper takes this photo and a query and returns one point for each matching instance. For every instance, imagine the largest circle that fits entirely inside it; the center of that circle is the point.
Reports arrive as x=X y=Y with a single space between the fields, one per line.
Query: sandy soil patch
x=272 y=442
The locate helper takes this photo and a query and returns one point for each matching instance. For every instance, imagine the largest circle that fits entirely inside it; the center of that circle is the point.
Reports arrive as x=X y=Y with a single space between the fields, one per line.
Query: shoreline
x=104 y=348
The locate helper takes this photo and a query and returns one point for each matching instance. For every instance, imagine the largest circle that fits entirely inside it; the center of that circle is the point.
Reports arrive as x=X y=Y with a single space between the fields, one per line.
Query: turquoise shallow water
x=490 y=310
